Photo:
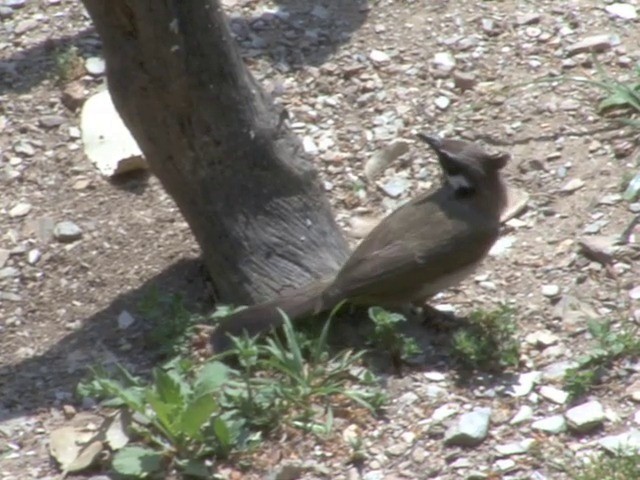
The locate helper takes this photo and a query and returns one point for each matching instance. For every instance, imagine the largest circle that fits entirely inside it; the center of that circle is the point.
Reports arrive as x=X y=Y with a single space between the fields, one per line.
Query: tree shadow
x=297 y=33
x=49 y=379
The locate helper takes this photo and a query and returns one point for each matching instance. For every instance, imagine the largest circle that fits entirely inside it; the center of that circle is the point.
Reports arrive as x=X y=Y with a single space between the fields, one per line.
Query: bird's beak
x=431 y=140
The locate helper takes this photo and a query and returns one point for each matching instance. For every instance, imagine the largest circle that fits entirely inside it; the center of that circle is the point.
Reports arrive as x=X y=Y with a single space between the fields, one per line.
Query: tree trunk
x=219 y=146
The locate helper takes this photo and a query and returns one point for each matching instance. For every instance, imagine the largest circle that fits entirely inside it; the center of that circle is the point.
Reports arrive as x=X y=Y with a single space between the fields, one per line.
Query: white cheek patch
x=459 y=182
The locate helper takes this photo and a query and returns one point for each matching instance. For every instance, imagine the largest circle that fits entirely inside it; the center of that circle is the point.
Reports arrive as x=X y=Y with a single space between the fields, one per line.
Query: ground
x=354 y=77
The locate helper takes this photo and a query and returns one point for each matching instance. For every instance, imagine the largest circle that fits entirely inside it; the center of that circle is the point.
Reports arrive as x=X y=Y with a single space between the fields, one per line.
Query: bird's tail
x=296 y=304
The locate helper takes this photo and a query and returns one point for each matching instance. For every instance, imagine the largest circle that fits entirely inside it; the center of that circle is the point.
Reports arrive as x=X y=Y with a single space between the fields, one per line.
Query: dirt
x=61 y=314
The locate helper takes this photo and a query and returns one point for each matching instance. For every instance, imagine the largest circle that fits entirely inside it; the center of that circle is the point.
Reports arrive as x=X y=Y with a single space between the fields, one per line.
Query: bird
x=425 y=246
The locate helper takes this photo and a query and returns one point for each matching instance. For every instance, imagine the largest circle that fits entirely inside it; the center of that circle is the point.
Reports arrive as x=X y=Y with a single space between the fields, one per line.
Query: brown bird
x=427 y=245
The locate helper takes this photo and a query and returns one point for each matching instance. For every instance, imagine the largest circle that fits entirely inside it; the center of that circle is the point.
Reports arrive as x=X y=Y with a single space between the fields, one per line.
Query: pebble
x=470 y=429
x=50 y=121
x=379 y=57
x=25 y=26
x=585 y=417
x=5 y=12
x=444 y=61
x=524 y=414
x=550 y=290
x=541 y=338
x=9 y=272
x=634 y=293
x=554 y=394
x=442 y=102
x=595 y=43
x=15 y=4
x=573 y=185
x=552 y=424
x=525 y=383
x=67 y=232
x=34 y=256
x=444 y=411
x=95 y=66
x=627 y=442
x=395 y=187
x=514 y=448
x=4 y=256
x=622 y=10
x=464 y=80
x=20 y=210
x=24 y=148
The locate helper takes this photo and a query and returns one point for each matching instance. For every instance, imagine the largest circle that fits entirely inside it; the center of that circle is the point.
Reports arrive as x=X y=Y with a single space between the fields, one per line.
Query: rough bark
x=219 y=146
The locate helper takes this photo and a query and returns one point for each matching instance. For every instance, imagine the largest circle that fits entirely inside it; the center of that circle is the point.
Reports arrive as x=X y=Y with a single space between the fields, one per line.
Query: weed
x=610 y=345
x=604 y=467
x=487 y=342
x=69 y=64
x=188 y=415
x=386 y=336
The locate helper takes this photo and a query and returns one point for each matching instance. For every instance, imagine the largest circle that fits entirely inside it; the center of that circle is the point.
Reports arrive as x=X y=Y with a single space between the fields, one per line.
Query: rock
x=524 y=385
x=20 y=210
x=552 y=424
x=5 y=12
x=634 y=293
x=572 y=185
x=310 y=146
x=524 y=414
x=514 y=448
x=595 y=43
x=585 y=417
x=504 y=465
x=517 y=201
x=550 y=291
x=67 y=232
x=610 y=199
x=125 y=320
x=24 y=26
x=554 y=394
x=557 y=370
x=464 y=80
x=4 y=256
x=444 y=411
x=444 y=62
x=395 y=187
x=442 y=102
x=383 y=158
x=107 y=142
x=574 y=311
x=95 y=66
x=490 y=27
x=502 y=246
x=34 y=256
x=528 y=19
x=50 y=121
x=9 y=272
x=541 y=338
x=14 y=4
x=320 y=12
x=622 y=10
x=379 y=57
x=470 y=429
x=599 y=248
x=627 y=443
x=24 y=148
x=73 y=95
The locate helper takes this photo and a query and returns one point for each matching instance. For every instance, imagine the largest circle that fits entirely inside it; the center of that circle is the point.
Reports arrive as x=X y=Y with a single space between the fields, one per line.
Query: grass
x=487 y=342
x=606 y=467
x=189 y=415
x=609 y=345
x=69 y=64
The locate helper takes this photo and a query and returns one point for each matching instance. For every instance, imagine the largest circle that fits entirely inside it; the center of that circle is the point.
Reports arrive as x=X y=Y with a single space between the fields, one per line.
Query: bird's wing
x=440 y=242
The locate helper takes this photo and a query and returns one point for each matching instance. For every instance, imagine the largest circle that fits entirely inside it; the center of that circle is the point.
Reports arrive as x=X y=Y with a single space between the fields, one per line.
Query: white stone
x=445 y=411
x=553 y=424
x=525 y=384
x=585 y=417
x=622 y=10
x=20 y=210
x=379 y=57
x=470 y=429
x=550 y=290
x=554 y=394
x=444 y=61
x=442 y=102
x=33 y=256
x=524 y=413
x=107 y=141
x=125 y=320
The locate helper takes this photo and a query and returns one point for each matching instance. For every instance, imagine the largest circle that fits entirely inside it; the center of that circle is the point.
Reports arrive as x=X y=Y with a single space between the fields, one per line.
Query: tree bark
x=219 y=146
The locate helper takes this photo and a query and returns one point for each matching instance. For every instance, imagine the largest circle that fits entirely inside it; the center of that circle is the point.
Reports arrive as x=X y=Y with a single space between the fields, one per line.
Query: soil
x=59 y=314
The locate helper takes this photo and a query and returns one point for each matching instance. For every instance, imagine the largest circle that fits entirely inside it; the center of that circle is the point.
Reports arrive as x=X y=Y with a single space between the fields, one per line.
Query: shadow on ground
x=50 y=379
x=298 y=33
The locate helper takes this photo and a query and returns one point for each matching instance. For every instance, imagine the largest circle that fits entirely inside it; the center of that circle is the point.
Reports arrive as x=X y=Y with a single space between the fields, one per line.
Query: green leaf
x=166 y=414
x=170 y=387
x=223 y=434
x=195 y=468
x=211 y=377
x=138 y=462
x=197 y=413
